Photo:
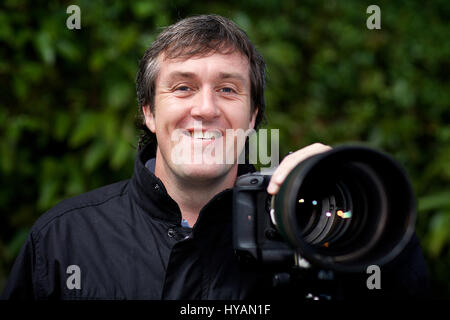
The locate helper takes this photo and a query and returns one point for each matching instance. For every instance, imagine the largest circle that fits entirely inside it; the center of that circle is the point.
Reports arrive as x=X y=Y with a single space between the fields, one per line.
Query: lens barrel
x=347 y=208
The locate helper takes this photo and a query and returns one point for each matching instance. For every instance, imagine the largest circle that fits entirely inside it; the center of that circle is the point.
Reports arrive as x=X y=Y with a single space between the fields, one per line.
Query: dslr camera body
x=341 y=210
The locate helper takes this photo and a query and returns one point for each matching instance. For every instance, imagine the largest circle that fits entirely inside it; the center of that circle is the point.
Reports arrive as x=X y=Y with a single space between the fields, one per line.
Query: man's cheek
x=181 y=148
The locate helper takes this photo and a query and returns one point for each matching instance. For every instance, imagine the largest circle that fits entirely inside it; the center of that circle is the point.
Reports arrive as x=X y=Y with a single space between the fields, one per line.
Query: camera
x=342 y=210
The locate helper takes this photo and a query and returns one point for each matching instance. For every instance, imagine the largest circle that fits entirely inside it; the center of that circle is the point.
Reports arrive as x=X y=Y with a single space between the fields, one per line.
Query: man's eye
x=183 y=88
x=227 y=90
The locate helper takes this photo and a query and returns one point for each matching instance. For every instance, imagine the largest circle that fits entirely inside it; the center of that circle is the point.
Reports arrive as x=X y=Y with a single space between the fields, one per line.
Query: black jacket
x=127 y=242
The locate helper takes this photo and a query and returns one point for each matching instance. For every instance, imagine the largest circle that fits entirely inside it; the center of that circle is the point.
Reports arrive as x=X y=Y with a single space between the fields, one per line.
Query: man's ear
x=149 y=118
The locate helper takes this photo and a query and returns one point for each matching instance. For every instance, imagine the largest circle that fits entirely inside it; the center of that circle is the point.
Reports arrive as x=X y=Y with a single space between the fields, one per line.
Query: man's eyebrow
x=181 y=74
x=226 y=75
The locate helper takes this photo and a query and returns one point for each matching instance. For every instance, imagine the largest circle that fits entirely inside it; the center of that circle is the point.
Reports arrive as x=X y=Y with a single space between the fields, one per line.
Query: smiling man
x=166 y=232
x=202 y=99
x=201 y=84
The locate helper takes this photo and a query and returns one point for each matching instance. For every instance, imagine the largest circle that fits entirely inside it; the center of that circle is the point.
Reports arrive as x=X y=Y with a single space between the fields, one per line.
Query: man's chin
x=204 y=172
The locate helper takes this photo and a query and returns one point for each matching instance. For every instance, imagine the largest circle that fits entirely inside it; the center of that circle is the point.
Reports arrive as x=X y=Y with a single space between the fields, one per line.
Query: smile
x=203 y=135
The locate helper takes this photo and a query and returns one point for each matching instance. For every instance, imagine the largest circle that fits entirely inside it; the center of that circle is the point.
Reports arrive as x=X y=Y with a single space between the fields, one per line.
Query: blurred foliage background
x=68 y=103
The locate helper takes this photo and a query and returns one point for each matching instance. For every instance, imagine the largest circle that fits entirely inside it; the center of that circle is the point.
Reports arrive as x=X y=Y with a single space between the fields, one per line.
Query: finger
x=290 y=162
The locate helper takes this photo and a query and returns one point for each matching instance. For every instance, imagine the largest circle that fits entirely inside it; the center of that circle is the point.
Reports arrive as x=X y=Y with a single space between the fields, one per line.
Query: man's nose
x=205 y=105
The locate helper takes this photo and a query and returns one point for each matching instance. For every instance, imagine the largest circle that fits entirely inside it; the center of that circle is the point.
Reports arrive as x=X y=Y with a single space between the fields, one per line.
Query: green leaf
x=6 y=30
x=120 y=154
x=120 y=95
x=95 y=155
x=47 y=194
x=143 y=9
x=45 y=47
x=440 y=200
x=69 y=50
x=439 y=233
x=85 y=129
x=61 y=126
x=7 y=158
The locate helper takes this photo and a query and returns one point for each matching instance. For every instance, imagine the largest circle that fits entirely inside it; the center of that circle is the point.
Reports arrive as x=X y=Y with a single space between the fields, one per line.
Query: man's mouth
x=203 y=134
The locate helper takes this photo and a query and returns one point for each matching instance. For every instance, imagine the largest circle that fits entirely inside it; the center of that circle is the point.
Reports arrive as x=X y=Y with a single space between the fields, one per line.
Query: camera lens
x=337 y=210
x=346 y=209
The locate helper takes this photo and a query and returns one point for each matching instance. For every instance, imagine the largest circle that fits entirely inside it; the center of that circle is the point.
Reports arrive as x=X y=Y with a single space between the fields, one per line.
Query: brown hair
x=194 y=36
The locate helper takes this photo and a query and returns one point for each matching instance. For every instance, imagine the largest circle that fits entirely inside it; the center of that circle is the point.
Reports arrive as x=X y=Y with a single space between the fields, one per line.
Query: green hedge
x=68 y=103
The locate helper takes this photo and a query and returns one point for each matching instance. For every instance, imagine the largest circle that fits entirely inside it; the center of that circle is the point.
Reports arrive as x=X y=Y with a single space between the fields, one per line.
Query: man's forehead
x=233 y=65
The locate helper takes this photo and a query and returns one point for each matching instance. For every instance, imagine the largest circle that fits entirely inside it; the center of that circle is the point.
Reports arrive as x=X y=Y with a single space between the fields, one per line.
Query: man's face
x=200 y=105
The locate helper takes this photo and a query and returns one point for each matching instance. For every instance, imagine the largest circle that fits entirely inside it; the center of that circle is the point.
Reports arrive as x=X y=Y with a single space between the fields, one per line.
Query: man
x=166 y=232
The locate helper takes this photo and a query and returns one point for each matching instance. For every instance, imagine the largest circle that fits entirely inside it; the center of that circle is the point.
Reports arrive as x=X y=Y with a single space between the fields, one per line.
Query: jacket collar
x=150 y=194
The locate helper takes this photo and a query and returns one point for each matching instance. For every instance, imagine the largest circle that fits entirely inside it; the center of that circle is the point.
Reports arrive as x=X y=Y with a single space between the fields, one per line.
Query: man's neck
x=192 y=195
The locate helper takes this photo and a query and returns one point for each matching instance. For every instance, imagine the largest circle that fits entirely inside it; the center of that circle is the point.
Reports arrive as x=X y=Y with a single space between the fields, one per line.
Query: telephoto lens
x=346 y=209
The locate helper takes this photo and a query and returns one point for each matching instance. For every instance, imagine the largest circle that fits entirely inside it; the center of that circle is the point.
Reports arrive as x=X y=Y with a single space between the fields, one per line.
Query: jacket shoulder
x=92 y=198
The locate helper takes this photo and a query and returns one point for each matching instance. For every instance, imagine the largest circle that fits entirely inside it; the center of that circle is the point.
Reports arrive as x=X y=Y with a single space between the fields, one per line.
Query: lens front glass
x=333 y=209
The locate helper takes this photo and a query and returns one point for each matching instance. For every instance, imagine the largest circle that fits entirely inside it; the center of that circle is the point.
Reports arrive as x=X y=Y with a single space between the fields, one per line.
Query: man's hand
x=289 y=163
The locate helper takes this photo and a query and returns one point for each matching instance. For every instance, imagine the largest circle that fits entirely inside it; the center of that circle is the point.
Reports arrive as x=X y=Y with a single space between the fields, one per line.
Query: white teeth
x=197 y=135
x=212 y=134
x=206 y=134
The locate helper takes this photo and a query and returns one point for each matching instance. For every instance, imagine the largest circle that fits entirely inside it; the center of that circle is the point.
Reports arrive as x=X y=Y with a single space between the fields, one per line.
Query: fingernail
x=271 y=188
